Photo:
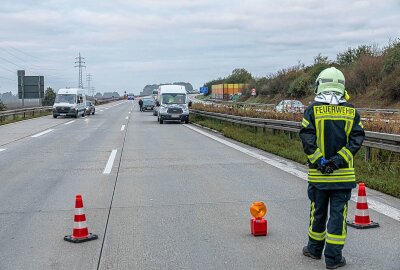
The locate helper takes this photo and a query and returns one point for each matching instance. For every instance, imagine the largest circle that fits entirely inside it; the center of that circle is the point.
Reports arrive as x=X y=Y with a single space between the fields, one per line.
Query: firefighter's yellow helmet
x=330 y=80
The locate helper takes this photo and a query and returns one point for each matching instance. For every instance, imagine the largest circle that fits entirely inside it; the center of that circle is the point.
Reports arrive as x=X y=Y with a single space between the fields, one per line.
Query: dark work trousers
x=333 y=234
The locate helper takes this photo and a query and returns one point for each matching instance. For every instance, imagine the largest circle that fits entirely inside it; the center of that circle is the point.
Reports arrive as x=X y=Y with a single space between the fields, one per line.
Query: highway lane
x=39 y=179
x=181 y=201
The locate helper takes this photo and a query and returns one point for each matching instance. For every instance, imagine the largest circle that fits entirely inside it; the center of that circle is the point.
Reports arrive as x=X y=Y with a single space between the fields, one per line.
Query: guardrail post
x=14 y=116
x=290 y=135
x=367 y=153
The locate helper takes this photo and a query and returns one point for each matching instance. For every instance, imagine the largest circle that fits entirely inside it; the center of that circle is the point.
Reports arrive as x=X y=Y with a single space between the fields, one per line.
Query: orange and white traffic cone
x=361 y=218
x=80 y=232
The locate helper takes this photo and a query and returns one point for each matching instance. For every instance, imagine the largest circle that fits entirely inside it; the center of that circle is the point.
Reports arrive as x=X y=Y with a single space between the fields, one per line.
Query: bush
x=392 y=58
x=300 y=86
x=239 y=75
x=279 y=83
x=391 y=85
x=49 y=97
x=2 y=106
x=366 y=71
x=353 y=54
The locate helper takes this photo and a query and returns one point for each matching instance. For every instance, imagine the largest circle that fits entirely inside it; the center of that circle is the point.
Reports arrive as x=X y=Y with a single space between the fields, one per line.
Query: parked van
x=69 y=102
x=173 y=103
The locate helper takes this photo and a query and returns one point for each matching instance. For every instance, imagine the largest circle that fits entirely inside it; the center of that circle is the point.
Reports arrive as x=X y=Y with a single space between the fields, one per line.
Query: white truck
x=173 y=104
x=69 y=102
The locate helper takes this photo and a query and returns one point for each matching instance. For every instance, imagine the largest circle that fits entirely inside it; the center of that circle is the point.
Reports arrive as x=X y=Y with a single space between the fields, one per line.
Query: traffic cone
x=361 y=219
x=80 y=232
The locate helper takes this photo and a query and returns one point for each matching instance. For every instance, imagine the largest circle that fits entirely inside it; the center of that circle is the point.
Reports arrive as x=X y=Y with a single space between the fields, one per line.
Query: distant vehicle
x=69 y=102
x=90 y=109
x=173 y=104
x=291 y=106
x=148 y=104
x=131 y=97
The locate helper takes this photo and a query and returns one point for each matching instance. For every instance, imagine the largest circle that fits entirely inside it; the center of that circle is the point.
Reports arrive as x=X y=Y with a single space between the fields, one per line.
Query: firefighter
x=331 y=134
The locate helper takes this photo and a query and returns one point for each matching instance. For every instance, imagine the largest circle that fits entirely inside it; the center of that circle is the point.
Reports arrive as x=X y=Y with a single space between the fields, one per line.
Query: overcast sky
x=128 y=44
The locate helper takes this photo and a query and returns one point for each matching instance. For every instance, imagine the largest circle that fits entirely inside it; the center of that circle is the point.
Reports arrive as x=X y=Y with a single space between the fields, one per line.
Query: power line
x=23 y=60
x=4 y=59
x=6 y=78
x=12 y=71
x=80 y=66
x=32 y=66
x=27 y=54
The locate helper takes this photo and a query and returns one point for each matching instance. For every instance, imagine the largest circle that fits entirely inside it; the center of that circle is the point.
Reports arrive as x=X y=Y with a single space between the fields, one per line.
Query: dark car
x=90 y=109
x=148 y=104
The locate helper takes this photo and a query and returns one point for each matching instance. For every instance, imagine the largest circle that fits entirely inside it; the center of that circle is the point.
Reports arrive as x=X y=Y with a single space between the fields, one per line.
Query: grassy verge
x=381 y=173
x=11 y=119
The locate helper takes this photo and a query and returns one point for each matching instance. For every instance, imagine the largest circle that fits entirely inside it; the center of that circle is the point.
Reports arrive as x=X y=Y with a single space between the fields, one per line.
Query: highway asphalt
x=172 y=198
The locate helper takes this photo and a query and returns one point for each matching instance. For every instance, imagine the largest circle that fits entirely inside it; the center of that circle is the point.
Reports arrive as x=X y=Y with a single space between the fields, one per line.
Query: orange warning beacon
x=258 y=224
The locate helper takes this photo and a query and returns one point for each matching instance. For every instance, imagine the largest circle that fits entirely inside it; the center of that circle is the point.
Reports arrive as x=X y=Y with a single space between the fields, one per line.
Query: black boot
x=339 y=264
x=306 y=252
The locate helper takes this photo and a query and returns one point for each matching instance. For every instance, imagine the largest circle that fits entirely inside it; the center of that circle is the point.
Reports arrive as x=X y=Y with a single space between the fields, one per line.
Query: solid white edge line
x=42 y=133
x=123 y=127
x=110 y=162
x=70 y=122
x=2 y=149
x=379 y=207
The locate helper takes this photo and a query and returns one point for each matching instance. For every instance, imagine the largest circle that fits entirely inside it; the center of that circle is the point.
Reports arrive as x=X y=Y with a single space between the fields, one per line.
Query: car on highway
x=290 y=106
x=69 y=102
x=173 y=104
x=90 y=109
x=148 y=104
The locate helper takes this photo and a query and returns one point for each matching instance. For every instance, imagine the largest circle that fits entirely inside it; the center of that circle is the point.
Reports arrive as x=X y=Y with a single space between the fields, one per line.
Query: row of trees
x=366 y=68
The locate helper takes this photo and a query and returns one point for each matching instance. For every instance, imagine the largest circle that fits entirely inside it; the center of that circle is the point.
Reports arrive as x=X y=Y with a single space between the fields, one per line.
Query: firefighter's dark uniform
x=336 y=133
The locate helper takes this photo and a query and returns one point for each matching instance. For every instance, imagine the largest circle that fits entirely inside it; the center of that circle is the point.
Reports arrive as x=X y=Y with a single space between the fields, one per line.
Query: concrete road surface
x=159 y=197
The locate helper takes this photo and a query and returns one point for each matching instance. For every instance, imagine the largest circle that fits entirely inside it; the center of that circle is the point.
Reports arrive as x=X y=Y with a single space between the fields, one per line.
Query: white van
x=69 y=102
x=173 y=103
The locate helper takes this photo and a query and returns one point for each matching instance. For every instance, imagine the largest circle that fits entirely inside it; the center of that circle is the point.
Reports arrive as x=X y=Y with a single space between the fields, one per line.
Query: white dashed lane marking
x=42 y=133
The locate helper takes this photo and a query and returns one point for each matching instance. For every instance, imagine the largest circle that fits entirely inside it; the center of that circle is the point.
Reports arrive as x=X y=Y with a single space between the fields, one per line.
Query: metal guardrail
x=370 y=110
x=260 y=105
x=390 y=142
x=25 y=112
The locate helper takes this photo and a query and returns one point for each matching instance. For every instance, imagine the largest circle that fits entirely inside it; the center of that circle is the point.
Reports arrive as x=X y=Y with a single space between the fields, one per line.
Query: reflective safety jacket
x=336 y=133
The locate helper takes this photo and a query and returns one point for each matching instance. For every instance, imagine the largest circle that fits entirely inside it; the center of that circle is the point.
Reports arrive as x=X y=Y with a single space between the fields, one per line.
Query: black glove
x=326 y=166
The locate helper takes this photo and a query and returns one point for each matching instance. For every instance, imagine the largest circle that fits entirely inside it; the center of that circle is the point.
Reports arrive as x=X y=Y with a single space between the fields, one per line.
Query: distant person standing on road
x=141 y=104
x=331 y=134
